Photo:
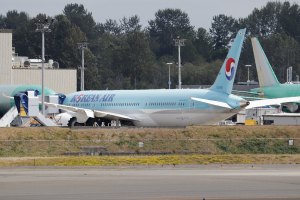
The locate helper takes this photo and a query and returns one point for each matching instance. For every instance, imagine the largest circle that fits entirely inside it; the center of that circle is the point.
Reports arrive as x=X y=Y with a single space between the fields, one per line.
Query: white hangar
x=21 y=70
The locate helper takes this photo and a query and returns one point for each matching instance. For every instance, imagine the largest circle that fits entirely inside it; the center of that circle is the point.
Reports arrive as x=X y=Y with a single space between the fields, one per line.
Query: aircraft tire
x=90 y=121
x=73 y=122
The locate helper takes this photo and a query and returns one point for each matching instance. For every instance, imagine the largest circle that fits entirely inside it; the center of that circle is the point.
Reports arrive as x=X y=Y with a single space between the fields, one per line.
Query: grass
x=195 y=132
x=193 y=159
x=257 y=146
x=210 y=144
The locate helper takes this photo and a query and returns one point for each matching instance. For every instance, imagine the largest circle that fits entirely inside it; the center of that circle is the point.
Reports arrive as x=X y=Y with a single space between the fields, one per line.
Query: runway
x=159 y=183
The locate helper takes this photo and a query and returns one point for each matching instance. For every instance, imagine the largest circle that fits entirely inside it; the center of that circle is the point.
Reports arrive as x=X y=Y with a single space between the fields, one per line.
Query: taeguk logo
x=230 y=68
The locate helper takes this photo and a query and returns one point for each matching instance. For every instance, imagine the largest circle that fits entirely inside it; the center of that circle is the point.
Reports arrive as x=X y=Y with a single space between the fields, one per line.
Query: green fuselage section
x=11 y=90
x=278 y=91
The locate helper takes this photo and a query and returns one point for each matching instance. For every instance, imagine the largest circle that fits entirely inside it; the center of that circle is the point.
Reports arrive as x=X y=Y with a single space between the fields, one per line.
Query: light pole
x=169 y=74
x=43 y=27
x=82 y=46
x=289 y=74
x=179 y=42
x=248 y=80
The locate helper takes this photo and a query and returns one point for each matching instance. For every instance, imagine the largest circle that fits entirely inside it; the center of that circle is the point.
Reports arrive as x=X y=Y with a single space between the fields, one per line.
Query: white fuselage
x=158 y=107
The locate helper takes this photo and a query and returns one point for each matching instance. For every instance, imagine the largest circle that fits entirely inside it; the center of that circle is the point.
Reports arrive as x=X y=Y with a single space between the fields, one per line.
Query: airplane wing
x=90 y=113
x=63 y=107
x=212 y=102
x=272 y=102
x=252 y=104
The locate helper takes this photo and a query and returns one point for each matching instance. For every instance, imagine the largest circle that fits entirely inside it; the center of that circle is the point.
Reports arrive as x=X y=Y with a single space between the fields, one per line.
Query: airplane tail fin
x=266 y=75
x=225 y=78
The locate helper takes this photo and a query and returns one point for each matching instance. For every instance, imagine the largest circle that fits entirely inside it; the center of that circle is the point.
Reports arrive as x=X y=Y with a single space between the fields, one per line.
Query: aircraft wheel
x=73 y=122
x=90 y=122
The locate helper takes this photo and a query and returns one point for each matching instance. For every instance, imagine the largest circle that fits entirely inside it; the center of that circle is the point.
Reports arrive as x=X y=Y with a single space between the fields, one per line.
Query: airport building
x=20 y=70
x=282 y=119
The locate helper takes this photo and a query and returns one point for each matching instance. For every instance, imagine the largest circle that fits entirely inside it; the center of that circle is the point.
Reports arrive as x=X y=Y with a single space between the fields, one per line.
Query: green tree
x=20 y=23
x=203 y=74
x=2 y=22
x=289 y=19
x=93 y=74
x=124 y=54
x=246 y=58
x=203 y=44
x=167 y=25
x=264 y=21
x=140 y=60
x=131 y=24
x=223 y=29
x=79 y=16
x=63 y=42
x=111 y=27
x=282 y=51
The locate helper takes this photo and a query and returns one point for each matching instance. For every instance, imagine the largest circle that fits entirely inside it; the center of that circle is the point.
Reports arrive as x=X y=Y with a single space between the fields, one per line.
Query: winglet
x=225 y=78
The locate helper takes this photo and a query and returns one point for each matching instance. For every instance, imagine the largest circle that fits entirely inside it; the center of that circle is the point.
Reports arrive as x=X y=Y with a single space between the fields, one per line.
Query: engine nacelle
x=292 y=107
x=63 y=119
x=74 y=118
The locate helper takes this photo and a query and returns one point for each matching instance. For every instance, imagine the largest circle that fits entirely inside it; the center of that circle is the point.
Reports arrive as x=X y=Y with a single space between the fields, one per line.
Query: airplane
x=270 y=87
x=163 y=107
x=12 y=90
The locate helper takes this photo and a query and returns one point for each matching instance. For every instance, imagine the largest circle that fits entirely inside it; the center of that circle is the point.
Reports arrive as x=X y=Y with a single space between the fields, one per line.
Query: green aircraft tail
x=266 y=75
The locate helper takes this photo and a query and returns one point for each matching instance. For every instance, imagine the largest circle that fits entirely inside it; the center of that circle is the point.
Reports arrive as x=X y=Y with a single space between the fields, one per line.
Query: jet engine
x=63 y=118
x=290 y=107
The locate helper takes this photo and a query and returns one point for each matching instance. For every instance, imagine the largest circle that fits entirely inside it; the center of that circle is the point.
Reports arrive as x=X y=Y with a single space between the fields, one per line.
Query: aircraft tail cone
x=243 y=104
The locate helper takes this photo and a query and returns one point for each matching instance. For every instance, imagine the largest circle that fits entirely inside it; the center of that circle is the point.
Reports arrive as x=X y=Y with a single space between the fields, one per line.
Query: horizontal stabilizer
x=272 y=102
x=212 y=102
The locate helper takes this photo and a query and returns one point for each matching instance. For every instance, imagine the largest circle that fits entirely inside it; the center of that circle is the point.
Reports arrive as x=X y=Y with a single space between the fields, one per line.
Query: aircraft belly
x=179 y=118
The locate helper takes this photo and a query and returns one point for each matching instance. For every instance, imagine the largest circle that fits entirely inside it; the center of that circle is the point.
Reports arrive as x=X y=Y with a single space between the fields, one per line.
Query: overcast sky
x=200 y=12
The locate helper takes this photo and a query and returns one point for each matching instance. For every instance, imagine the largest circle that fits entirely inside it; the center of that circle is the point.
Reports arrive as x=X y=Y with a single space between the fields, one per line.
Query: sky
x=200 y=12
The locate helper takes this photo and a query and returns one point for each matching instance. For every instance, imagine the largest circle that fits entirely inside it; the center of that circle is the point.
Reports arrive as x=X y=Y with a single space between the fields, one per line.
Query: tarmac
x=259 y=182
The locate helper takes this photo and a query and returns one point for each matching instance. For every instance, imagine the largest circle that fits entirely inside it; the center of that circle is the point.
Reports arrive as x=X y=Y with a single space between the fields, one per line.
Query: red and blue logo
x=230 y=68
